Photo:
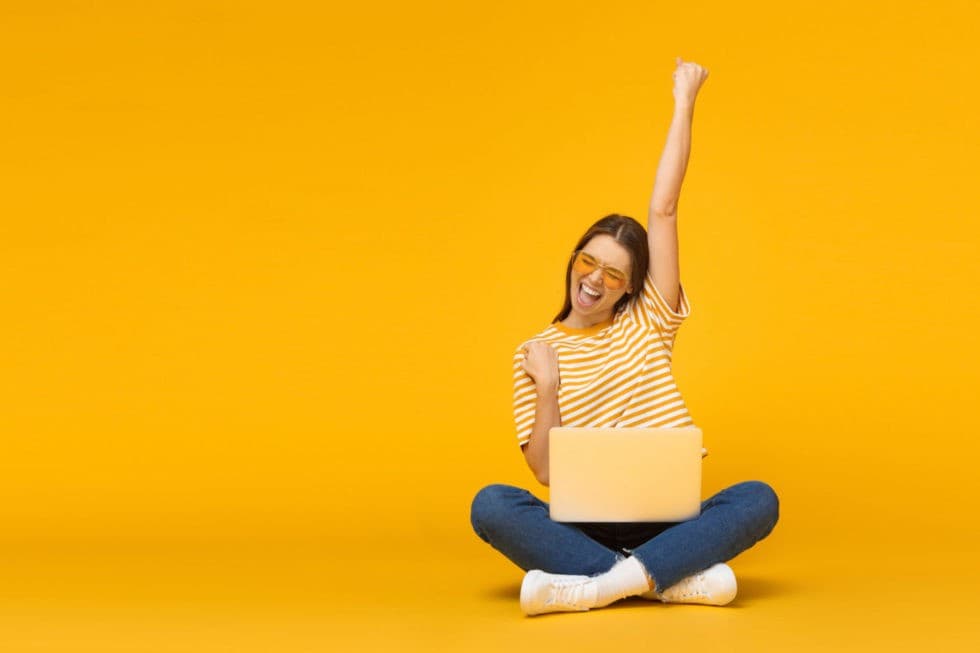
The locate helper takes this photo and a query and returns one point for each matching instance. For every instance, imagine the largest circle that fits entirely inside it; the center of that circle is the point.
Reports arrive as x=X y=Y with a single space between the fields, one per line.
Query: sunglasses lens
x=613 y=280
x=584 y=264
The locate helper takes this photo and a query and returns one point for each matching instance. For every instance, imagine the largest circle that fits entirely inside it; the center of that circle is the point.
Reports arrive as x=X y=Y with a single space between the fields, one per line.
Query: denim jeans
x=517 y=524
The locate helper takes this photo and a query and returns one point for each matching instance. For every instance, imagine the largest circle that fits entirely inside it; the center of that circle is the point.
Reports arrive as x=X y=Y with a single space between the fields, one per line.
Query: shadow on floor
x=761 y=588
x=508 y=592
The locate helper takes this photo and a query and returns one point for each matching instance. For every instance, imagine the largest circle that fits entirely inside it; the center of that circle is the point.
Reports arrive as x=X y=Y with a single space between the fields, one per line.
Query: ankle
x=626 y=578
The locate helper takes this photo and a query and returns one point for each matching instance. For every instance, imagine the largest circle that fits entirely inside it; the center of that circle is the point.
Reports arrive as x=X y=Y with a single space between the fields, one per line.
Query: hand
x=688 y=78
x=541 y=364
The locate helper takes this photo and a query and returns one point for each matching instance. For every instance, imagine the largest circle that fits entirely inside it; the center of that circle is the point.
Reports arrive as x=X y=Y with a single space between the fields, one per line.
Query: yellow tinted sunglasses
x=584 y=264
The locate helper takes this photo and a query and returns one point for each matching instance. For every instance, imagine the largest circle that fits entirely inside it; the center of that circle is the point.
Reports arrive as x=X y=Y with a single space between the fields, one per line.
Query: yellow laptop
x=625 y=475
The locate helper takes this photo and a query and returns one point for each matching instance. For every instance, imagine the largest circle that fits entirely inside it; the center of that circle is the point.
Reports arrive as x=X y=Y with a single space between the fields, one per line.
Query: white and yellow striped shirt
x=614 y=375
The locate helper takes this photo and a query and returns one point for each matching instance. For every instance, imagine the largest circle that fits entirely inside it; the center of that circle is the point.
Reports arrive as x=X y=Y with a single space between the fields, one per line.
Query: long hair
x=630 y=234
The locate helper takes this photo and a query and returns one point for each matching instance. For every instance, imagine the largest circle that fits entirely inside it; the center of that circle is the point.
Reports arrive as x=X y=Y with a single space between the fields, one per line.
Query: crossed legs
x=517 y=524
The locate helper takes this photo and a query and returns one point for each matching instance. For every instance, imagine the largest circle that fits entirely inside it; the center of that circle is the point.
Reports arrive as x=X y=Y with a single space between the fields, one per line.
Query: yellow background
x=264 y=266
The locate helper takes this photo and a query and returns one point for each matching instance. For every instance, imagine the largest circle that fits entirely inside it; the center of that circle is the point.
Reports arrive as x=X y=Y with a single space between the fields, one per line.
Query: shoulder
x=549 y=334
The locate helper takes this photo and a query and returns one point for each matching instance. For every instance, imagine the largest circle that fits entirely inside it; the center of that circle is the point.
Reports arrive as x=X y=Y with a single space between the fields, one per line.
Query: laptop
x=625 y=475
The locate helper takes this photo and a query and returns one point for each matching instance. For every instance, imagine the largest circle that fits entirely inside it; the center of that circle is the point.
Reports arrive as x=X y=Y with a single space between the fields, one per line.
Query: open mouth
x=588 y=296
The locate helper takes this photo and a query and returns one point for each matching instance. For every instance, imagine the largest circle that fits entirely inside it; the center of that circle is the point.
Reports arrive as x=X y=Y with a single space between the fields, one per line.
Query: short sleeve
x=524 y=399
x=652 y=311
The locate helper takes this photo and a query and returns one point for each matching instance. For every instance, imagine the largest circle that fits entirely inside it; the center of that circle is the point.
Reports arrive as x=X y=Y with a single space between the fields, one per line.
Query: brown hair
x=630 y=234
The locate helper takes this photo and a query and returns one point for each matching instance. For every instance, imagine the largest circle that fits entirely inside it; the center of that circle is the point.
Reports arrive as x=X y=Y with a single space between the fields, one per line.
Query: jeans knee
x=488 y=507
x=765 y=504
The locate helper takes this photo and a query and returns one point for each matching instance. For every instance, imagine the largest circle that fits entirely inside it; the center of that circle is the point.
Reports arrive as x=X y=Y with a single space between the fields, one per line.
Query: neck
x=576 y=321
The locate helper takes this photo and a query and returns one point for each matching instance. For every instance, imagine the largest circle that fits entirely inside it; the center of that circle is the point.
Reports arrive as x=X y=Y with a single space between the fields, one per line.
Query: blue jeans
x=517 y=524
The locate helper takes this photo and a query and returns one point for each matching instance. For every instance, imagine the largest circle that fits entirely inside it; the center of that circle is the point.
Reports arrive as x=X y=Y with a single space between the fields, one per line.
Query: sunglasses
x=585 y=264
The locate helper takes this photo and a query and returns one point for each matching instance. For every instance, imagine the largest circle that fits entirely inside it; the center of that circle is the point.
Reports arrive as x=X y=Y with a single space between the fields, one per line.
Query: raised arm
x=541 y=364
x=662 y=221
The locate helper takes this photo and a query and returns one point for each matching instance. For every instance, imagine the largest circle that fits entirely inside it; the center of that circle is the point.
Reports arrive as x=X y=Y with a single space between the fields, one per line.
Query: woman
x=605 y=361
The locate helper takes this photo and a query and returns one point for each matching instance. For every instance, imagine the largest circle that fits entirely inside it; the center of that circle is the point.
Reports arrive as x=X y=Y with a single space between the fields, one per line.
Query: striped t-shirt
x=615 y=374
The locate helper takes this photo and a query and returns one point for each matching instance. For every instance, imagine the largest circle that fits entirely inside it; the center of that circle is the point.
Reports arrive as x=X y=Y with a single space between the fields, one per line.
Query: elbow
x=540 y=473
x=663 y=212
x=538 y=467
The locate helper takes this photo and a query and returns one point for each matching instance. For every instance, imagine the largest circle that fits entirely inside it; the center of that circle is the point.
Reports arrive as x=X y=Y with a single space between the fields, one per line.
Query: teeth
x=589 y=291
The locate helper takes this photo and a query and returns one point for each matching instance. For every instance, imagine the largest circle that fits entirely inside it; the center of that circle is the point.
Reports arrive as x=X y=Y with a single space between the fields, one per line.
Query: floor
x=795 y=593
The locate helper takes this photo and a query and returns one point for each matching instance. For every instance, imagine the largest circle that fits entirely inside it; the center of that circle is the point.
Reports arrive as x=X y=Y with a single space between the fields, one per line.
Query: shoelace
x=694 y=587
x=567 y=592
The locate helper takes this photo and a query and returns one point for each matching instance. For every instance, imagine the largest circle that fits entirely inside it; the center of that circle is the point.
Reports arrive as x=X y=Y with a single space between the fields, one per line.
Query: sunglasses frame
x=606 y=277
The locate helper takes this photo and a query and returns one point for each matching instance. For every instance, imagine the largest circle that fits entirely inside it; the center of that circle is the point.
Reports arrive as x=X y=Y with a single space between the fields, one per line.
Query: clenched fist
x=541 y=364
x=688 y=78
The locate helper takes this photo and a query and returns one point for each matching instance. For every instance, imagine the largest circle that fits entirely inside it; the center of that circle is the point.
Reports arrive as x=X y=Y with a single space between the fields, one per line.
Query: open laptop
x=625 y=475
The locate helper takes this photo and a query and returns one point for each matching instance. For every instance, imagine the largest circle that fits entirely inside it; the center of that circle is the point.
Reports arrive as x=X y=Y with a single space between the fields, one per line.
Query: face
x=592 y=299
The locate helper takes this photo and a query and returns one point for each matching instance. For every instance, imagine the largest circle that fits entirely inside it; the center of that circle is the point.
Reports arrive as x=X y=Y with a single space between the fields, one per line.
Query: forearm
x=673 y=162
x=546 y=417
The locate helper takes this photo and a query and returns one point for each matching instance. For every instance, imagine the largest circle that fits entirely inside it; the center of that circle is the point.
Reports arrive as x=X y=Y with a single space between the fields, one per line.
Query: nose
x=595 y=277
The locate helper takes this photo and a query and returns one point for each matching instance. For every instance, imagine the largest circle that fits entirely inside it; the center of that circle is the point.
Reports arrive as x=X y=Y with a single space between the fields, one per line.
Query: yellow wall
x=264 y=265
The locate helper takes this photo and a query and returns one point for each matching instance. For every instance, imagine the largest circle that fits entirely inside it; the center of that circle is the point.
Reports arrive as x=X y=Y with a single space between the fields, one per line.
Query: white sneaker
x=542 y=592
x=713 y=586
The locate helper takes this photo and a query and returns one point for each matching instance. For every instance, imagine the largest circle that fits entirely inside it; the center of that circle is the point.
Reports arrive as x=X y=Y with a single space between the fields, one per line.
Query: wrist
x=548 y=389
x=683 y=106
